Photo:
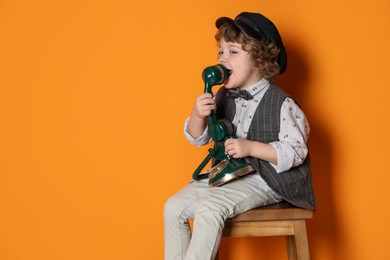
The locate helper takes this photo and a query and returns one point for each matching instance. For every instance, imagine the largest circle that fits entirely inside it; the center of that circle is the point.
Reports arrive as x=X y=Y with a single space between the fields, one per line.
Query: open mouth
x=229 y=72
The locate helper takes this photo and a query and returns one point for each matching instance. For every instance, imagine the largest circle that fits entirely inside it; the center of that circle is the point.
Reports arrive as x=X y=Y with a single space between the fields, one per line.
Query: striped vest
x=294 y=185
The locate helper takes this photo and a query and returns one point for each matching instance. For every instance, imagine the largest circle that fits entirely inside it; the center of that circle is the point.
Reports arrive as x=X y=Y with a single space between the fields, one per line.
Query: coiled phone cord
x=195 y=175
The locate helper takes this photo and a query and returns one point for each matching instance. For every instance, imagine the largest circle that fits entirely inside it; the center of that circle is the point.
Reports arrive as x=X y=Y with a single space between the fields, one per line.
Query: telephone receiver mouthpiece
x=214 y=75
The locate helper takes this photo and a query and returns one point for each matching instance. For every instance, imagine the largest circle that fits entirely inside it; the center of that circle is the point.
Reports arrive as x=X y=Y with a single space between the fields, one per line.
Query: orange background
x=93 y=96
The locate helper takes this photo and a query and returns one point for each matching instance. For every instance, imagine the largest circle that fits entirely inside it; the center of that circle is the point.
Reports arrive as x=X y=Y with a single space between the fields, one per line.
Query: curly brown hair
x=264 y=55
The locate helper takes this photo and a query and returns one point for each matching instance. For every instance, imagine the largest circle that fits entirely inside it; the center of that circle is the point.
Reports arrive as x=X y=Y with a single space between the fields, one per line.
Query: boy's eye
x=231 y=52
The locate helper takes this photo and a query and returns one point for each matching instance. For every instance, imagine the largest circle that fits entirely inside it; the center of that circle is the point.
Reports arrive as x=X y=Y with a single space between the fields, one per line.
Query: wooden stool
x=281 y=219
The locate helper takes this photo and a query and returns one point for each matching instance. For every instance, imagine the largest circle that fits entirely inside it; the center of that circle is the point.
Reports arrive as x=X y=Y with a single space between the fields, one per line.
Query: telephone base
x=227 y=171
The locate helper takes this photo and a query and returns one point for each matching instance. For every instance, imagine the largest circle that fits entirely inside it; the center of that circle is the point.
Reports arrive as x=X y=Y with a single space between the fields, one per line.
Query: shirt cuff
x=285 y=158
x=201 y=140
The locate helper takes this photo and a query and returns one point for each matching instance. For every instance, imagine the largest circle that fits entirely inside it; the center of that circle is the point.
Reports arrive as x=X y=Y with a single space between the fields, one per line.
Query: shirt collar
x=257 y=87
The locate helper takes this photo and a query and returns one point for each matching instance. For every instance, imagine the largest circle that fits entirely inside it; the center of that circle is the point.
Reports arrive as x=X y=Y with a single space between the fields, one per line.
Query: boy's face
x=242 y=72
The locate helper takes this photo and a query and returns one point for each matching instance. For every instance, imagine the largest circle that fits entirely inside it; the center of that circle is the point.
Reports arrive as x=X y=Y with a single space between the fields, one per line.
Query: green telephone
x=228 y=168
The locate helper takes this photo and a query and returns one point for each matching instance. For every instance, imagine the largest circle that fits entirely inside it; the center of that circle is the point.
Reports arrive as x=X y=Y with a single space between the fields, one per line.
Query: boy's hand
x=241 y=148
x=204 y=104
x=197 y=124
x=237 y=148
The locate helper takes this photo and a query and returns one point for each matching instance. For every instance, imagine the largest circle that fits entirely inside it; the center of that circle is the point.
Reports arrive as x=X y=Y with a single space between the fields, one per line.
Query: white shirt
x=291 y=148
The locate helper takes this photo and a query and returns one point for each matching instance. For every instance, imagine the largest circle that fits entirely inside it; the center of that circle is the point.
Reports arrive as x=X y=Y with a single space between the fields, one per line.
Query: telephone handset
x=228 y=169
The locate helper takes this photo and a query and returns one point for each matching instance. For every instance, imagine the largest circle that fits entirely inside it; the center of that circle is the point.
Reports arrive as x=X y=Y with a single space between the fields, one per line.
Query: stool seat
x=281 y=219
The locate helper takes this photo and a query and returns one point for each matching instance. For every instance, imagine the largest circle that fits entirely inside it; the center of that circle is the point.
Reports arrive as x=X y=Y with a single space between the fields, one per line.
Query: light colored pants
x=209 y=208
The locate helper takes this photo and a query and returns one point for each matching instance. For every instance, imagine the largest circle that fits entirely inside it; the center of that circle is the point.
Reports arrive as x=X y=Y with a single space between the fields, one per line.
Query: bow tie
x=235 y=93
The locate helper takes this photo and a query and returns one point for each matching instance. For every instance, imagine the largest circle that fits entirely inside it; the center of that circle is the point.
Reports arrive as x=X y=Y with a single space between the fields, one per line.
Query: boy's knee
x=171 y=207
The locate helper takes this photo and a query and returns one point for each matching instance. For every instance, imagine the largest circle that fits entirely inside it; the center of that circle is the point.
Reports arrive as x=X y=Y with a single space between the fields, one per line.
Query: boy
x=272 y=133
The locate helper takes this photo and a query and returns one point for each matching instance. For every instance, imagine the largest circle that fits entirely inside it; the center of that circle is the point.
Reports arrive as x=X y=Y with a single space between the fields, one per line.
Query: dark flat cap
x=259 y=27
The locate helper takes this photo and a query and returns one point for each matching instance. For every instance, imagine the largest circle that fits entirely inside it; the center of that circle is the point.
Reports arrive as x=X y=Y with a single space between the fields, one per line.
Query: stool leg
x=291 y=248
x=297 y=245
